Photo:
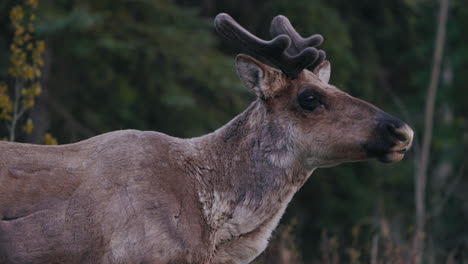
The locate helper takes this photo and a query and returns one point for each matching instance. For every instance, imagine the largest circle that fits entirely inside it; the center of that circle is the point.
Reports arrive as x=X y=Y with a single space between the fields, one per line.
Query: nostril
x=394 y=132
x=400 y=136
x=391 y=128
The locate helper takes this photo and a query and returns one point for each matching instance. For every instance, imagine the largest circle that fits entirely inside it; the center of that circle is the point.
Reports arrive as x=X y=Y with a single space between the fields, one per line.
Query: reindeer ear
x=257 y=76
x=323 y=71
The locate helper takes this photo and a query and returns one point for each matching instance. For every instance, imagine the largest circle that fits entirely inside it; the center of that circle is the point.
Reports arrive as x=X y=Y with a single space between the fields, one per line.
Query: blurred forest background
x=72 y=69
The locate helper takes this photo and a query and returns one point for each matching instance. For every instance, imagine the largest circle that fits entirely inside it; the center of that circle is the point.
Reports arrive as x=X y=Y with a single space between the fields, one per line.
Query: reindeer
x=146 y=197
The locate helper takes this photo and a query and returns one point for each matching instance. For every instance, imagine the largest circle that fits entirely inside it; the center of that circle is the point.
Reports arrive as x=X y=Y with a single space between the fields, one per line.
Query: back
x=34 y=176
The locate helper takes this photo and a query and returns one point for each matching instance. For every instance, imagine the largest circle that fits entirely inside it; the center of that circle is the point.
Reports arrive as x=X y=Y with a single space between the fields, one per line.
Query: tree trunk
x=421 y=172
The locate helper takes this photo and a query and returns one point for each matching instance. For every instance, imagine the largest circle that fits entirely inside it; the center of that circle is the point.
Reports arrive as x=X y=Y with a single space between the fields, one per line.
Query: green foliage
x=157 y=65
x=145 y=65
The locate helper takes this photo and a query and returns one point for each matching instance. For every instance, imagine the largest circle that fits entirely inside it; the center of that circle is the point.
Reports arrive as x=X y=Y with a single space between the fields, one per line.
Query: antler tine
x=280 y=25
x=272 y=52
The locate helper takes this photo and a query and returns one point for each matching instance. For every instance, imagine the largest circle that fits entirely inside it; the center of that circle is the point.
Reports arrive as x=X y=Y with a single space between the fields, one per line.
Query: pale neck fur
x=248 y=171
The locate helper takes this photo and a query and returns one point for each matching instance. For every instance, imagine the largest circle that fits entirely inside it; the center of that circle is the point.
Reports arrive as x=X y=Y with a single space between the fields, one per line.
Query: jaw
x=331 y=162
x=390 y=156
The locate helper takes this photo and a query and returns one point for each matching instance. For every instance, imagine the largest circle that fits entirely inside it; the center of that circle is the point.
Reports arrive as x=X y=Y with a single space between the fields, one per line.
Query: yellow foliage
x=40 y=46
x=26 y=60
x=26 y=55
x=16 y=14
x=49 y=139
x=28 y=103
x=354 y=255
x=32 y=3
x=27 y=37
x=28 y=127
x=5 y=102
x=37 y=72
x=36 y=89
x=28 y=72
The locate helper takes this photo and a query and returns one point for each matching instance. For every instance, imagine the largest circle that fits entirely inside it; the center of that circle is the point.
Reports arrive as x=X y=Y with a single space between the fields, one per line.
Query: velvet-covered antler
x=277 y=52
x=280 y=25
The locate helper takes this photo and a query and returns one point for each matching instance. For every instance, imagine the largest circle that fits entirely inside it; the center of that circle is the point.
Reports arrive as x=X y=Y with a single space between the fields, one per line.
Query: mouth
x=386 y=154
x=392 y=156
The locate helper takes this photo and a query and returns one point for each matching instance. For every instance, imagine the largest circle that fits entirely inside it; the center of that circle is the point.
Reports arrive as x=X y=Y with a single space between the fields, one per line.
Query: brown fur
x=145 y=197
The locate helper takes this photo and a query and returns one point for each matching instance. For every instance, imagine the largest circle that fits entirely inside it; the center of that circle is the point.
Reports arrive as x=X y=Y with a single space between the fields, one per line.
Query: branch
x=15 y=117
x=375 y=249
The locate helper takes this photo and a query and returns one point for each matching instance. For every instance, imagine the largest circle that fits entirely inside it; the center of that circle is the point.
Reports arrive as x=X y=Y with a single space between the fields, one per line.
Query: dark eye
x=308 y=101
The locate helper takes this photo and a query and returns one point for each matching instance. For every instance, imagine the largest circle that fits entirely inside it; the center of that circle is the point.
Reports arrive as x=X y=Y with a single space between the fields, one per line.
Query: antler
x=278 y=52
x=280 y=25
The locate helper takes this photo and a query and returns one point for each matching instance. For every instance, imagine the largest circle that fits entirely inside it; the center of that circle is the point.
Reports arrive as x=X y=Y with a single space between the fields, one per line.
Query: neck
x=254 y=170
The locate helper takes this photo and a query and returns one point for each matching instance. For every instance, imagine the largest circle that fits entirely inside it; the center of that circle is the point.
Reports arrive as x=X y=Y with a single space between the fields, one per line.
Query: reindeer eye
x=308 y=101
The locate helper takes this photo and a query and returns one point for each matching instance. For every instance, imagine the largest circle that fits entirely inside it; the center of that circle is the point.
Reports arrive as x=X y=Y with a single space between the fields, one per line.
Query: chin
x=391 y=157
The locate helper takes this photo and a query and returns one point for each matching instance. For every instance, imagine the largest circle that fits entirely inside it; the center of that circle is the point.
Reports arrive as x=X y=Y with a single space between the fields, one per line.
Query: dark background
x=159 y=65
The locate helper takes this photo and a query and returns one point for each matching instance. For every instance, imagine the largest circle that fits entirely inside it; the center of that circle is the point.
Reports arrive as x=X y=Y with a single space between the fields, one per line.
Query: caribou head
x=290 y=78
